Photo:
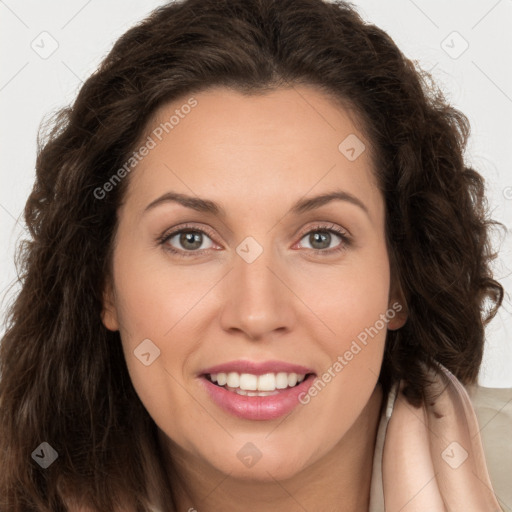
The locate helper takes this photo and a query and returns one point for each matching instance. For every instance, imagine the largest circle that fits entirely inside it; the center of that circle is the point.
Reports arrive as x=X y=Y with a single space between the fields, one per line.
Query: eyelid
x=169 y=233
x=325 y=226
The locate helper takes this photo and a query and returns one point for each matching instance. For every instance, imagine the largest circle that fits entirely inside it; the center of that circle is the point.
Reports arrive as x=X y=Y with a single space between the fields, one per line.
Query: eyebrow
x=301 y=206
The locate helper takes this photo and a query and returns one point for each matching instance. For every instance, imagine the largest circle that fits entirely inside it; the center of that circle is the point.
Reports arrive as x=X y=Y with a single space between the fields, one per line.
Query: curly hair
x=64 y=379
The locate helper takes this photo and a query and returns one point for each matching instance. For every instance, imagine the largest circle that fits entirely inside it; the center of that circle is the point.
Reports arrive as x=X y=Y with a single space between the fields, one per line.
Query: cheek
x=348 y=298
x=143 y=305
x=354 y=310
x=151 y=297
x=160 y=385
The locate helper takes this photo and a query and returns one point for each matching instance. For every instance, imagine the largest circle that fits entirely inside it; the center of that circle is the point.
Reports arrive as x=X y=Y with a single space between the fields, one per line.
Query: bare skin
x=256 y=157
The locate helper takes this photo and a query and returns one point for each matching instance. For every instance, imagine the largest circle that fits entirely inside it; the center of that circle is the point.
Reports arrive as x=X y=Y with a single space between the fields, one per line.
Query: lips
x=256 y=390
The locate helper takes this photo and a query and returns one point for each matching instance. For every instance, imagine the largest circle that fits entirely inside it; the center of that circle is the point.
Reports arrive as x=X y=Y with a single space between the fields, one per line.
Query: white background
x=478 y=82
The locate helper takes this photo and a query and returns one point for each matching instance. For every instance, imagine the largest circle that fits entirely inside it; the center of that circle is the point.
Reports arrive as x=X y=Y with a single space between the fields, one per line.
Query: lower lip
x=257 y=407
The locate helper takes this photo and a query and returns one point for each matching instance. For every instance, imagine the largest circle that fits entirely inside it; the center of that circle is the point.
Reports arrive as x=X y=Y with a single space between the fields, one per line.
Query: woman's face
x=259 y=289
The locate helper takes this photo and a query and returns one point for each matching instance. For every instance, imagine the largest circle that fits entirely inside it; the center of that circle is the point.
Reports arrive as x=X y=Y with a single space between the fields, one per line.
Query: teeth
x=267 y=382
x=233 y=380
x=281 y=380
x=249 y=384
x=220 y=378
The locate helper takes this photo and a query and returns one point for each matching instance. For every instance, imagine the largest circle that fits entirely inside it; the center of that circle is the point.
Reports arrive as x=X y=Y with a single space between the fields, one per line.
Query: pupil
x=191 y=237
x=319 y=235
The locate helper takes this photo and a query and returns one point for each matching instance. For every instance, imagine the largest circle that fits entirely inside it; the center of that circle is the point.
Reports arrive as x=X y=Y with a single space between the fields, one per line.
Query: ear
x=109 y=311
x=397 y=304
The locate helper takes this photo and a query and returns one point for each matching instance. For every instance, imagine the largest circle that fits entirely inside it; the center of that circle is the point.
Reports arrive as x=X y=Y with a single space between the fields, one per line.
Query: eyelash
x=332 y=228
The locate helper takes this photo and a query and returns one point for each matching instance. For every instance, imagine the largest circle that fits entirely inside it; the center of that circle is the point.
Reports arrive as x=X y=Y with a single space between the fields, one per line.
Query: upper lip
x=257 y=368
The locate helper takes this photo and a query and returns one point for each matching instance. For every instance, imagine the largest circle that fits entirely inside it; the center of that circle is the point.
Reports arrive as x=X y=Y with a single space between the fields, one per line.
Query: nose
x=258 y=300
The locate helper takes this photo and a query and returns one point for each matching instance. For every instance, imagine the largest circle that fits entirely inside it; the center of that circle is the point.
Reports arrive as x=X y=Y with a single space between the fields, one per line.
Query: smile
x=256 y=391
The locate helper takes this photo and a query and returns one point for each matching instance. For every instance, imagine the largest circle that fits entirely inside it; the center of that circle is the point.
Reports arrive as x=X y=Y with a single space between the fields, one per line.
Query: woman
x=308 y=350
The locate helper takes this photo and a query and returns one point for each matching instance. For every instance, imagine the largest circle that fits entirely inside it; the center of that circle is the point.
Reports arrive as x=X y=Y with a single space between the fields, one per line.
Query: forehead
x=282 y=144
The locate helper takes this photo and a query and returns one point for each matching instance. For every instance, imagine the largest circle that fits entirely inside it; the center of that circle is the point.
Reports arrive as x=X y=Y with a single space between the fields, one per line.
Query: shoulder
x=493 y=408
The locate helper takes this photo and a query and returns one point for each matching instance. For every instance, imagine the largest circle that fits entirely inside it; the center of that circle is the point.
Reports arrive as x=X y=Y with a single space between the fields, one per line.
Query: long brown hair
x=64 y=379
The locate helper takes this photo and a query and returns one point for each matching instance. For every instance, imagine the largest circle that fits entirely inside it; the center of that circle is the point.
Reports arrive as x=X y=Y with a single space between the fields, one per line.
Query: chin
x=261 y=460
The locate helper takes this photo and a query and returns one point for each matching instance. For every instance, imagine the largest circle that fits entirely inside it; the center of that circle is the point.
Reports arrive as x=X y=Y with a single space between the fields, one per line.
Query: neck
x=339 y=481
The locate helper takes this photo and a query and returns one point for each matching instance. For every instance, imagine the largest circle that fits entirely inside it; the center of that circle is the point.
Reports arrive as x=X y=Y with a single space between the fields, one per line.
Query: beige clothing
x=493 y=409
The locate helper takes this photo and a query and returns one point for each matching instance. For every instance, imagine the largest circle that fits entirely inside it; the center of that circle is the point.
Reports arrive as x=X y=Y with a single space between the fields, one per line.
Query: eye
x=186 y=241
x=321 y=237
x=192 y=240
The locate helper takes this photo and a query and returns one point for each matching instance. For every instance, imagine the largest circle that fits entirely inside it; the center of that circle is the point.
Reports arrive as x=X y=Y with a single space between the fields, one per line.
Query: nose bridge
x=257 y=300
